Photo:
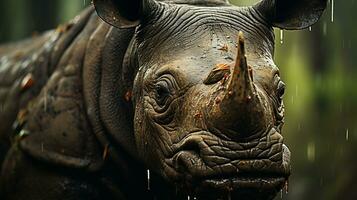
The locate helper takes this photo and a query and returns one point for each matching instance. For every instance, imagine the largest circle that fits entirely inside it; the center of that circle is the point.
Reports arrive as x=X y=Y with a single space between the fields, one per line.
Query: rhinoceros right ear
x=292 y=14
x=123 y=13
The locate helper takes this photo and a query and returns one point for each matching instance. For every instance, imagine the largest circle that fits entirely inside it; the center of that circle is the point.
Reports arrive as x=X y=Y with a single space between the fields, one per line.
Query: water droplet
x=105 y=152
x=148 y=178
x=347 y=135
x=24 y=133
x=281 y=36
x=188 y=197
x=310 y=28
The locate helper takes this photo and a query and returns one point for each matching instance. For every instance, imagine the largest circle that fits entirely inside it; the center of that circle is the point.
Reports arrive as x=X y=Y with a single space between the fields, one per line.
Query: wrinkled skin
x=186 y=89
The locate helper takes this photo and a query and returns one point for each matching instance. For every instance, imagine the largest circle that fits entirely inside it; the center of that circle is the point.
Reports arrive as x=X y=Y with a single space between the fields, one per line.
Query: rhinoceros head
x=207 y=94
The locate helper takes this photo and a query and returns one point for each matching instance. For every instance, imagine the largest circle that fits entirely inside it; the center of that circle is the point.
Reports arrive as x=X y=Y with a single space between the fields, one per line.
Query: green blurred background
x=318 y=66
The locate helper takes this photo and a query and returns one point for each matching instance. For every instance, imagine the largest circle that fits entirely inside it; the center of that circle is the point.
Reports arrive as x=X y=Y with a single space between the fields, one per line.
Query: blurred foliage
x=318 y=66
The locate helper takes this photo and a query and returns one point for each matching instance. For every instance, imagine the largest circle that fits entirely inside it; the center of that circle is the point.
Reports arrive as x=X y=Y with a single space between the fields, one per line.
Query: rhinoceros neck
x=115 y=77
x=107 y=72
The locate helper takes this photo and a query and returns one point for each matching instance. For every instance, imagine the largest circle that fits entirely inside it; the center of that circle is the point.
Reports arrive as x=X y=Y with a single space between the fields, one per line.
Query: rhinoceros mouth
x=244 y=186
x=201 y=167
x=254 y=181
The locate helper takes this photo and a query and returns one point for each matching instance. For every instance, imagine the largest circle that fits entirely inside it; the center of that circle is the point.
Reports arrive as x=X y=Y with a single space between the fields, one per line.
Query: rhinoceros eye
x=162 y=92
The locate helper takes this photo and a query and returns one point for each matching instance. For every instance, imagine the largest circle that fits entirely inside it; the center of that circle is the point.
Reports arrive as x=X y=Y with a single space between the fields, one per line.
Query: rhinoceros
x=148 y=99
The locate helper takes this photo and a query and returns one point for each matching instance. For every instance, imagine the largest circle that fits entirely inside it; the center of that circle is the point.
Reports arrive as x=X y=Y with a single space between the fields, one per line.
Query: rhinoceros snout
x=206 y=162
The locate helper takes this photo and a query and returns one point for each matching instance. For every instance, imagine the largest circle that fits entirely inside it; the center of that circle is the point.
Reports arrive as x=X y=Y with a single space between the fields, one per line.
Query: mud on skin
x=186 y=90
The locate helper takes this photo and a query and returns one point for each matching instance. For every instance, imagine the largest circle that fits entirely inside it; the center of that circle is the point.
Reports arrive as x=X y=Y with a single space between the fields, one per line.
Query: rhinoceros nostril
x=185 y=162
x=188 y=158
x=187 y=155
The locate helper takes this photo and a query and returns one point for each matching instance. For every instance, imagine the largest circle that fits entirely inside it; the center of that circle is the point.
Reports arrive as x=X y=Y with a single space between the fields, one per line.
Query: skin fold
x=149 y=100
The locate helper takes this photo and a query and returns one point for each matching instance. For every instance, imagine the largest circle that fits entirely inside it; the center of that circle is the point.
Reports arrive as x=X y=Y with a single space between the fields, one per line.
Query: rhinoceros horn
x=241 y=111
x=291 y=14
x=124 y=13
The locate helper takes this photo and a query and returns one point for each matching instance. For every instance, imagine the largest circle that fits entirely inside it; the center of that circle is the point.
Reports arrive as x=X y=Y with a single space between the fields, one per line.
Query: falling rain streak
x=332 y=10
x=347 y=135
x=281 y=36
x=311 y=152
x=148 y=178
x=296 y=90
x=292 y=100
x=324 y=29
x=45 y=100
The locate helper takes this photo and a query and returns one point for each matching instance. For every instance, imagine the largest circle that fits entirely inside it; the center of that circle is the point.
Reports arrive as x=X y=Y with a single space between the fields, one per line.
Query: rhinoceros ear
x=123 y=13
x=292 y=14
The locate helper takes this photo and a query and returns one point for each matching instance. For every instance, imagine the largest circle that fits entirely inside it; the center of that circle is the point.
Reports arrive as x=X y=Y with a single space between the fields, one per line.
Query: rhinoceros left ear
x=292 y=14
x=123 y=13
